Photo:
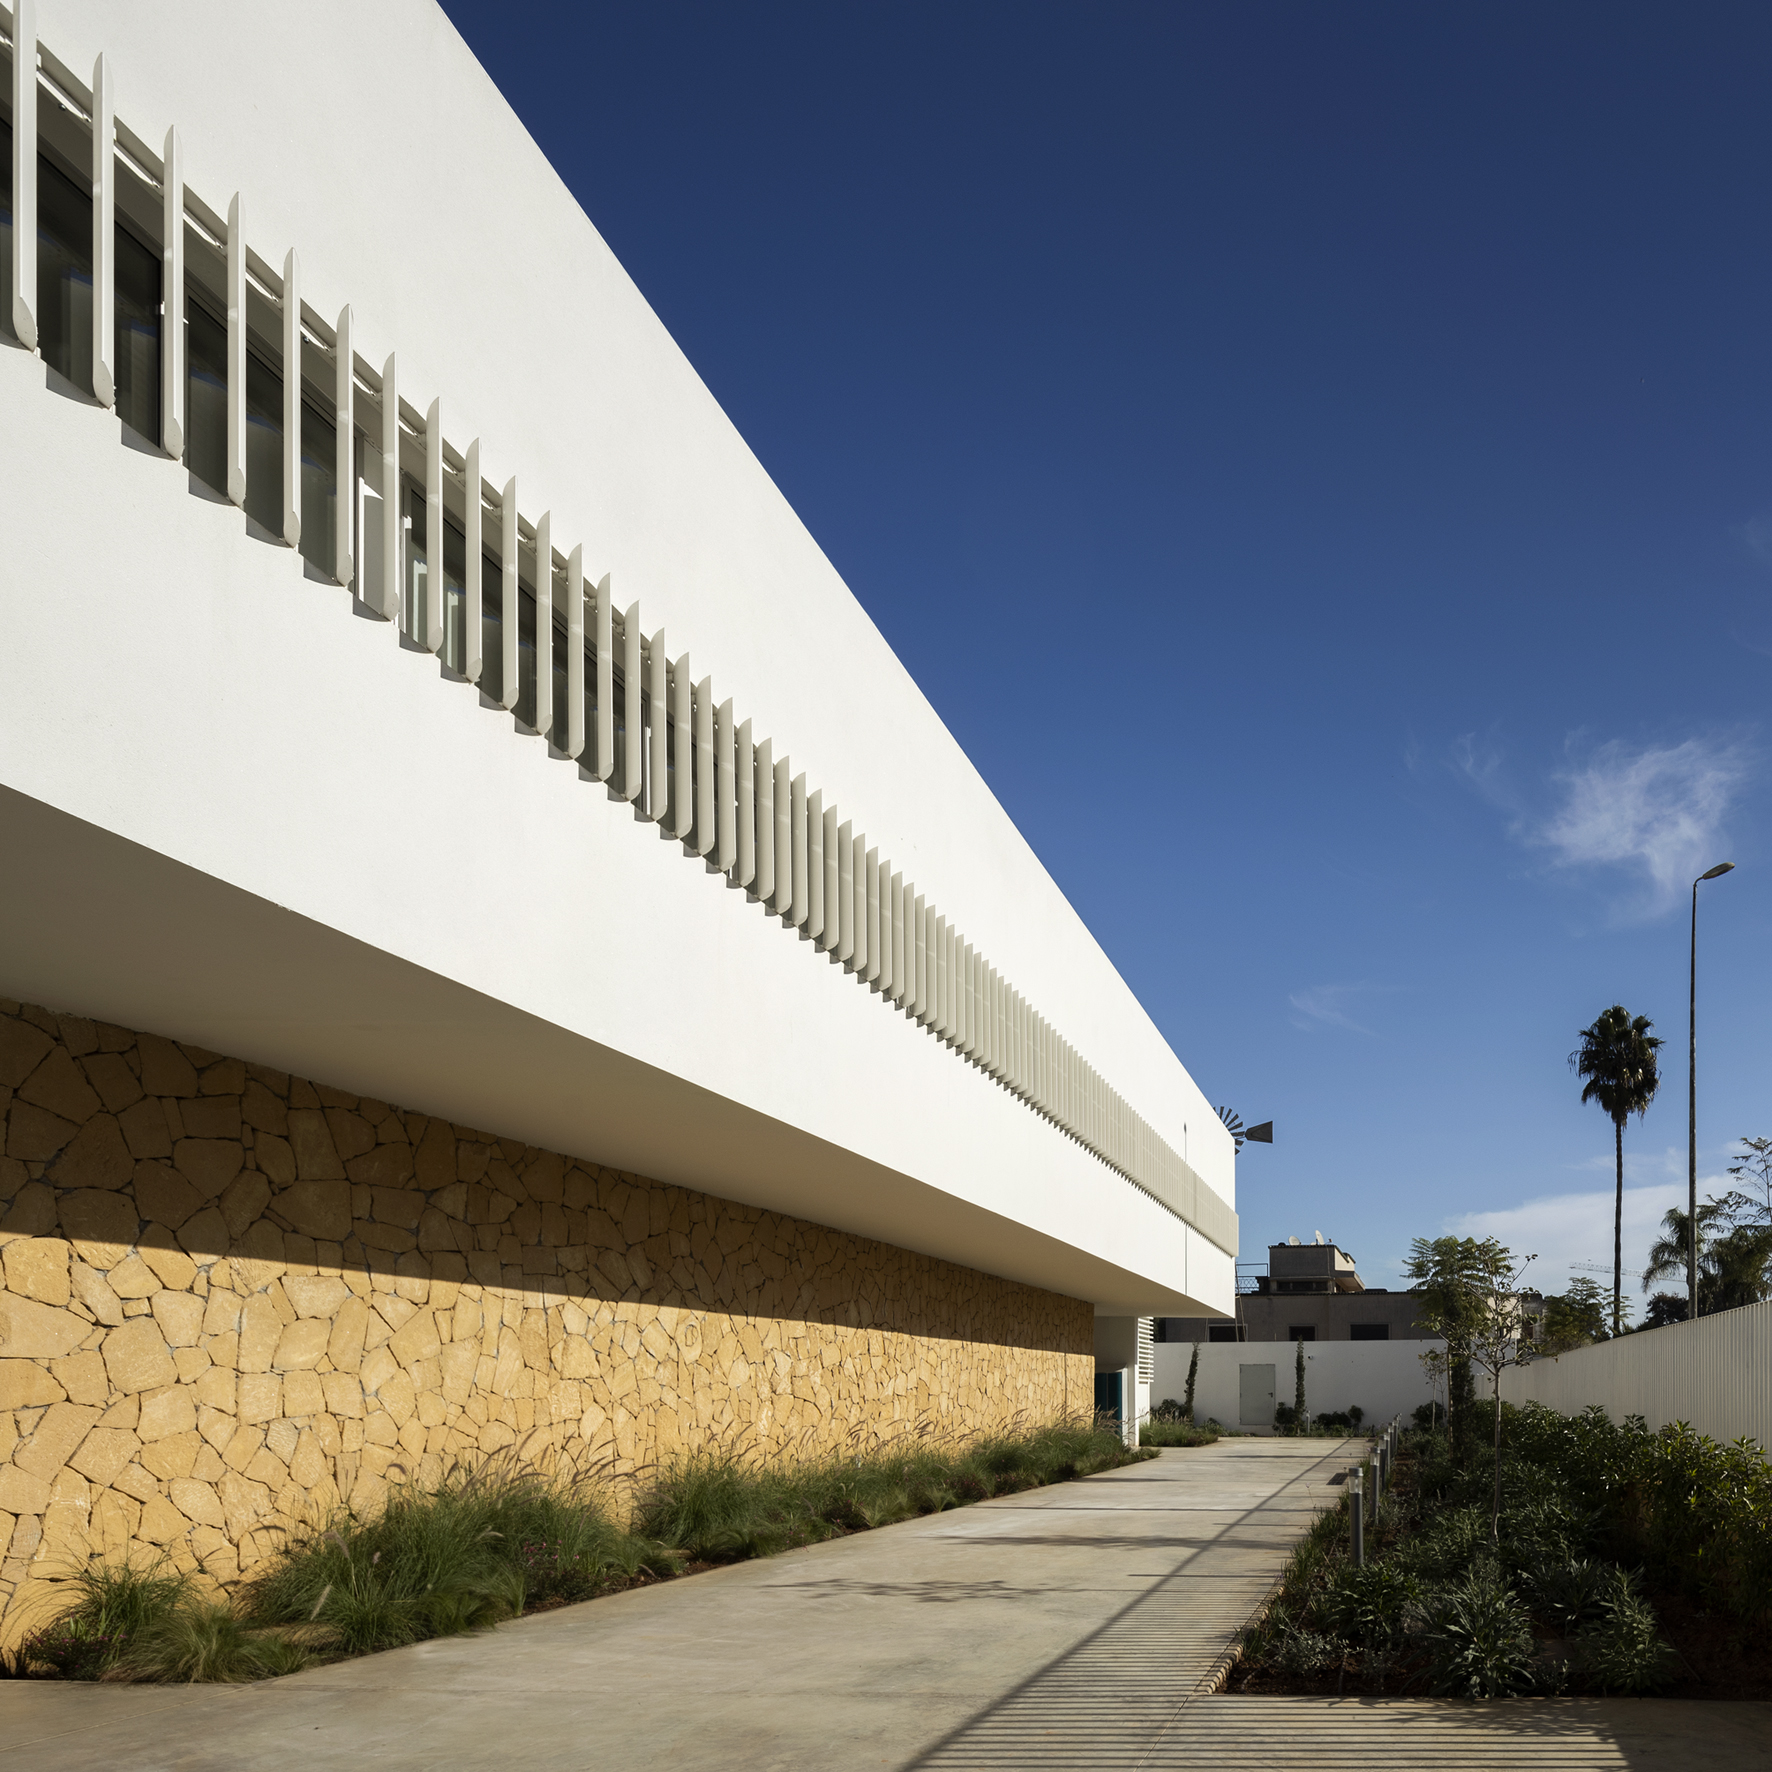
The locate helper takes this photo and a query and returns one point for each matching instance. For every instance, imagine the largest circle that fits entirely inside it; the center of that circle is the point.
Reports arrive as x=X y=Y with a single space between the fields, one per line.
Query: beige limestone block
x=303 y=1393
x=413 y=1438
x=133 y=1279
x=33 y=1134
x=207 y=1466
x=224 y=1350
x=218 y=1427
x=167 y=1412
x=137 y=1358
x=172 y=1267
x=320 y=1295
x=26 y=1385
x=221 y=1311
x=275 y=1159
x=379 y=1429
x=208 y=1164
x=58 y=1433
x=192 y=1363
x=307 y=1465
x=95 y=1292
x=60 y=1085
x=465 y=1318
x=457 y=1362
x=134 y=1480
x=196 y=1501
x=260 y=1331
x=205 y=1235
x=344 y=1394
x=242 y=1448
x=96 y=1157
x=115 y=1519
x=215 y=1389
x=378 y=1367
x=281 y=1437
x=267 y=1468
x=255 y=1259
x=83 y=1377
x=344 y=1347
x=261 y=1396
x=417 y=1341
x=317 y=1208
x=145 y=1133
x=260 y=1109
x=301 y=1345
x=103 y=1454
x=21 y=1492
x=112 y=1078
x=316 y=1157
x=244 y=1199
x=22 y=1049
x=37 y=1267
x=398 y=1396
x=180 y=1316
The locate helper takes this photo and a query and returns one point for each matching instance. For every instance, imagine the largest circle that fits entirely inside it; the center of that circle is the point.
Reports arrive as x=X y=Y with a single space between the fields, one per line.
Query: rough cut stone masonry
x=233 y=1297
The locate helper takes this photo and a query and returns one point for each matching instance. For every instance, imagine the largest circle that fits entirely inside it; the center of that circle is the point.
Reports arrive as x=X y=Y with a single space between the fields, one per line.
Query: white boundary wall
x=1384 y=1378
x=1715 y=1374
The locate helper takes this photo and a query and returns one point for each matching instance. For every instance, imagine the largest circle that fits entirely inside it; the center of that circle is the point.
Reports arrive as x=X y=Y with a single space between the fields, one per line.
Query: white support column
x=344 y=460
x=393 y=530
x=763 y=879
x=845 y=864
x=744 y=871
x=510 y=550
x=725 y=789
x=236 y=353
x=633 y=734
x=24 y=172
x=104 y=235
x=705 y=768
x=784 y=838
x=433 y=617
x=292 y=512
x=172 y=299
x=603 y=765
x=473 y=554
x=870 y=972
x=544 y=625
x=575 y=652
x=813 y=922
x=658 y=696
x=800 y=901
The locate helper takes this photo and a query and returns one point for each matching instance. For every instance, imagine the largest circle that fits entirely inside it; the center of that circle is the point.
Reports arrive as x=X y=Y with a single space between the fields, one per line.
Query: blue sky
x=1363 y=416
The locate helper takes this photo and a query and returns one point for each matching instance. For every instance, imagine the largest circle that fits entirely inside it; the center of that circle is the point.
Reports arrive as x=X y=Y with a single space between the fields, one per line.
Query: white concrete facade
x=255 y=818
x=1382 y=1378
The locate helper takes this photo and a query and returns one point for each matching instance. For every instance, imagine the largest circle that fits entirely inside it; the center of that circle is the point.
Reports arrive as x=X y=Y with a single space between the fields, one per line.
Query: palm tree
x=1734 y=1253
x=1617 y=1057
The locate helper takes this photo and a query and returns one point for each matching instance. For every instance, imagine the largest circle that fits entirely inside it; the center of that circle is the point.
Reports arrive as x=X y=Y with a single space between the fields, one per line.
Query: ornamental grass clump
x=723 y=1506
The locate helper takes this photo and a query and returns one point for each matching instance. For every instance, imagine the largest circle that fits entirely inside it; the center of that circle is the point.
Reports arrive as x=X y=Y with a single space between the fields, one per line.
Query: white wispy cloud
x=1330 y=1005
x=1655 y=811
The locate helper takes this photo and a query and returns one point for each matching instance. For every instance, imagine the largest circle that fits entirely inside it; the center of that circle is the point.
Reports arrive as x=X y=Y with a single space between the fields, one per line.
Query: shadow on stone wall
x=234 y=1297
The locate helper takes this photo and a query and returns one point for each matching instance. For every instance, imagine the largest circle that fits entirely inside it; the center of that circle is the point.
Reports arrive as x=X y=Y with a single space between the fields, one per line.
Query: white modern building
x=469 y=854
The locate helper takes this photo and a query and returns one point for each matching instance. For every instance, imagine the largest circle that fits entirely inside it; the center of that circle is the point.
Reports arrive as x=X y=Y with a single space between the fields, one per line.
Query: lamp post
x=1722 y=867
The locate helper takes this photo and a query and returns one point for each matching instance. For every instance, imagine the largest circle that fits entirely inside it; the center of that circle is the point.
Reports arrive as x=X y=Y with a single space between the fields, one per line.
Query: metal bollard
x=1372 y=1496
x=1356 y=1513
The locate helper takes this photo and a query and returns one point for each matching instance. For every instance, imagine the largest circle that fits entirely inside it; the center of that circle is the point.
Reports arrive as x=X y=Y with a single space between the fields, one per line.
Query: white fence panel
x=1715 y=1374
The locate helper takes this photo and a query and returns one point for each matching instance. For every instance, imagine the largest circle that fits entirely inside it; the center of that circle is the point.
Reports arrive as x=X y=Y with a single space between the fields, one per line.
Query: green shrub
x=1176 y=1433
x=1478 y=1638
x=1622 y=1650
x=1376 y=1606
x=115 y=1605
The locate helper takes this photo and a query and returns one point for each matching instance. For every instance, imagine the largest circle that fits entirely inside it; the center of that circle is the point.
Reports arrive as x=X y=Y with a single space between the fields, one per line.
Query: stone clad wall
x=233 y=1297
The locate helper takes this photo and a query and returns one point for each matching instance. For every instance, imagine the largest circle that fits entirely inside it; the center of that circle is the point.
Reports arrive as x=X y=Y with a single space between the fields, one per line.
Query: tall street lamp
x=1722 y=867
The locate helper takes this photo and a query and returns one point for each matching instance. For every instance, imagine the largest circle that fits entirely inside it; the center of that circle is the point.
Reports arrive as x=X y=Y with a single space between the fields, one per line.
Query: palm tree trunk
x=1618 y=1232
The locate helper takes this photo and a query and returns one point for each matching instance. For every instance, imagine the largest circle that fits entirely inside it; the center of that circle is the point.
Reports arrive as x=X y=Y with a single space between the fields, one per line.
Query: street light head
x=1722 y=867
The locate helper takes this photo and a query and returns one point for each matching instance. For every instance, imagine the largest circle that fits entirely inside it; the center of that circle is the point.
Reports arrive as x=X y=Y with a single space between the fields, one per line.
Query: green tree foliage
x=1754 y=1167
x=1577 y=1319
x=1617 y=1058
x=1470 y=1294
x=1734 y=1252
x=1300 y=1421
x=1193 y=1373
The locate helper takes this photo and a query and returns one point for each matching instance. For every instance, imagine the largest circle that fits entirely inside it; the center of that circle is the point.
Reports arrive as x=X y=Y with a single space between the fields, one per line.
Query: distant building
x=1311 y=1292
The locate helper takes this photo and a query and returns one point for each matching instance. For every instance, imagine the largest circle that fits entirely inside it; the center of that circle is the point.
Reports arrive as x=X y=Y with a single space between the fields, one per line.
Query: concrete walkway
x=1074 y=1626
